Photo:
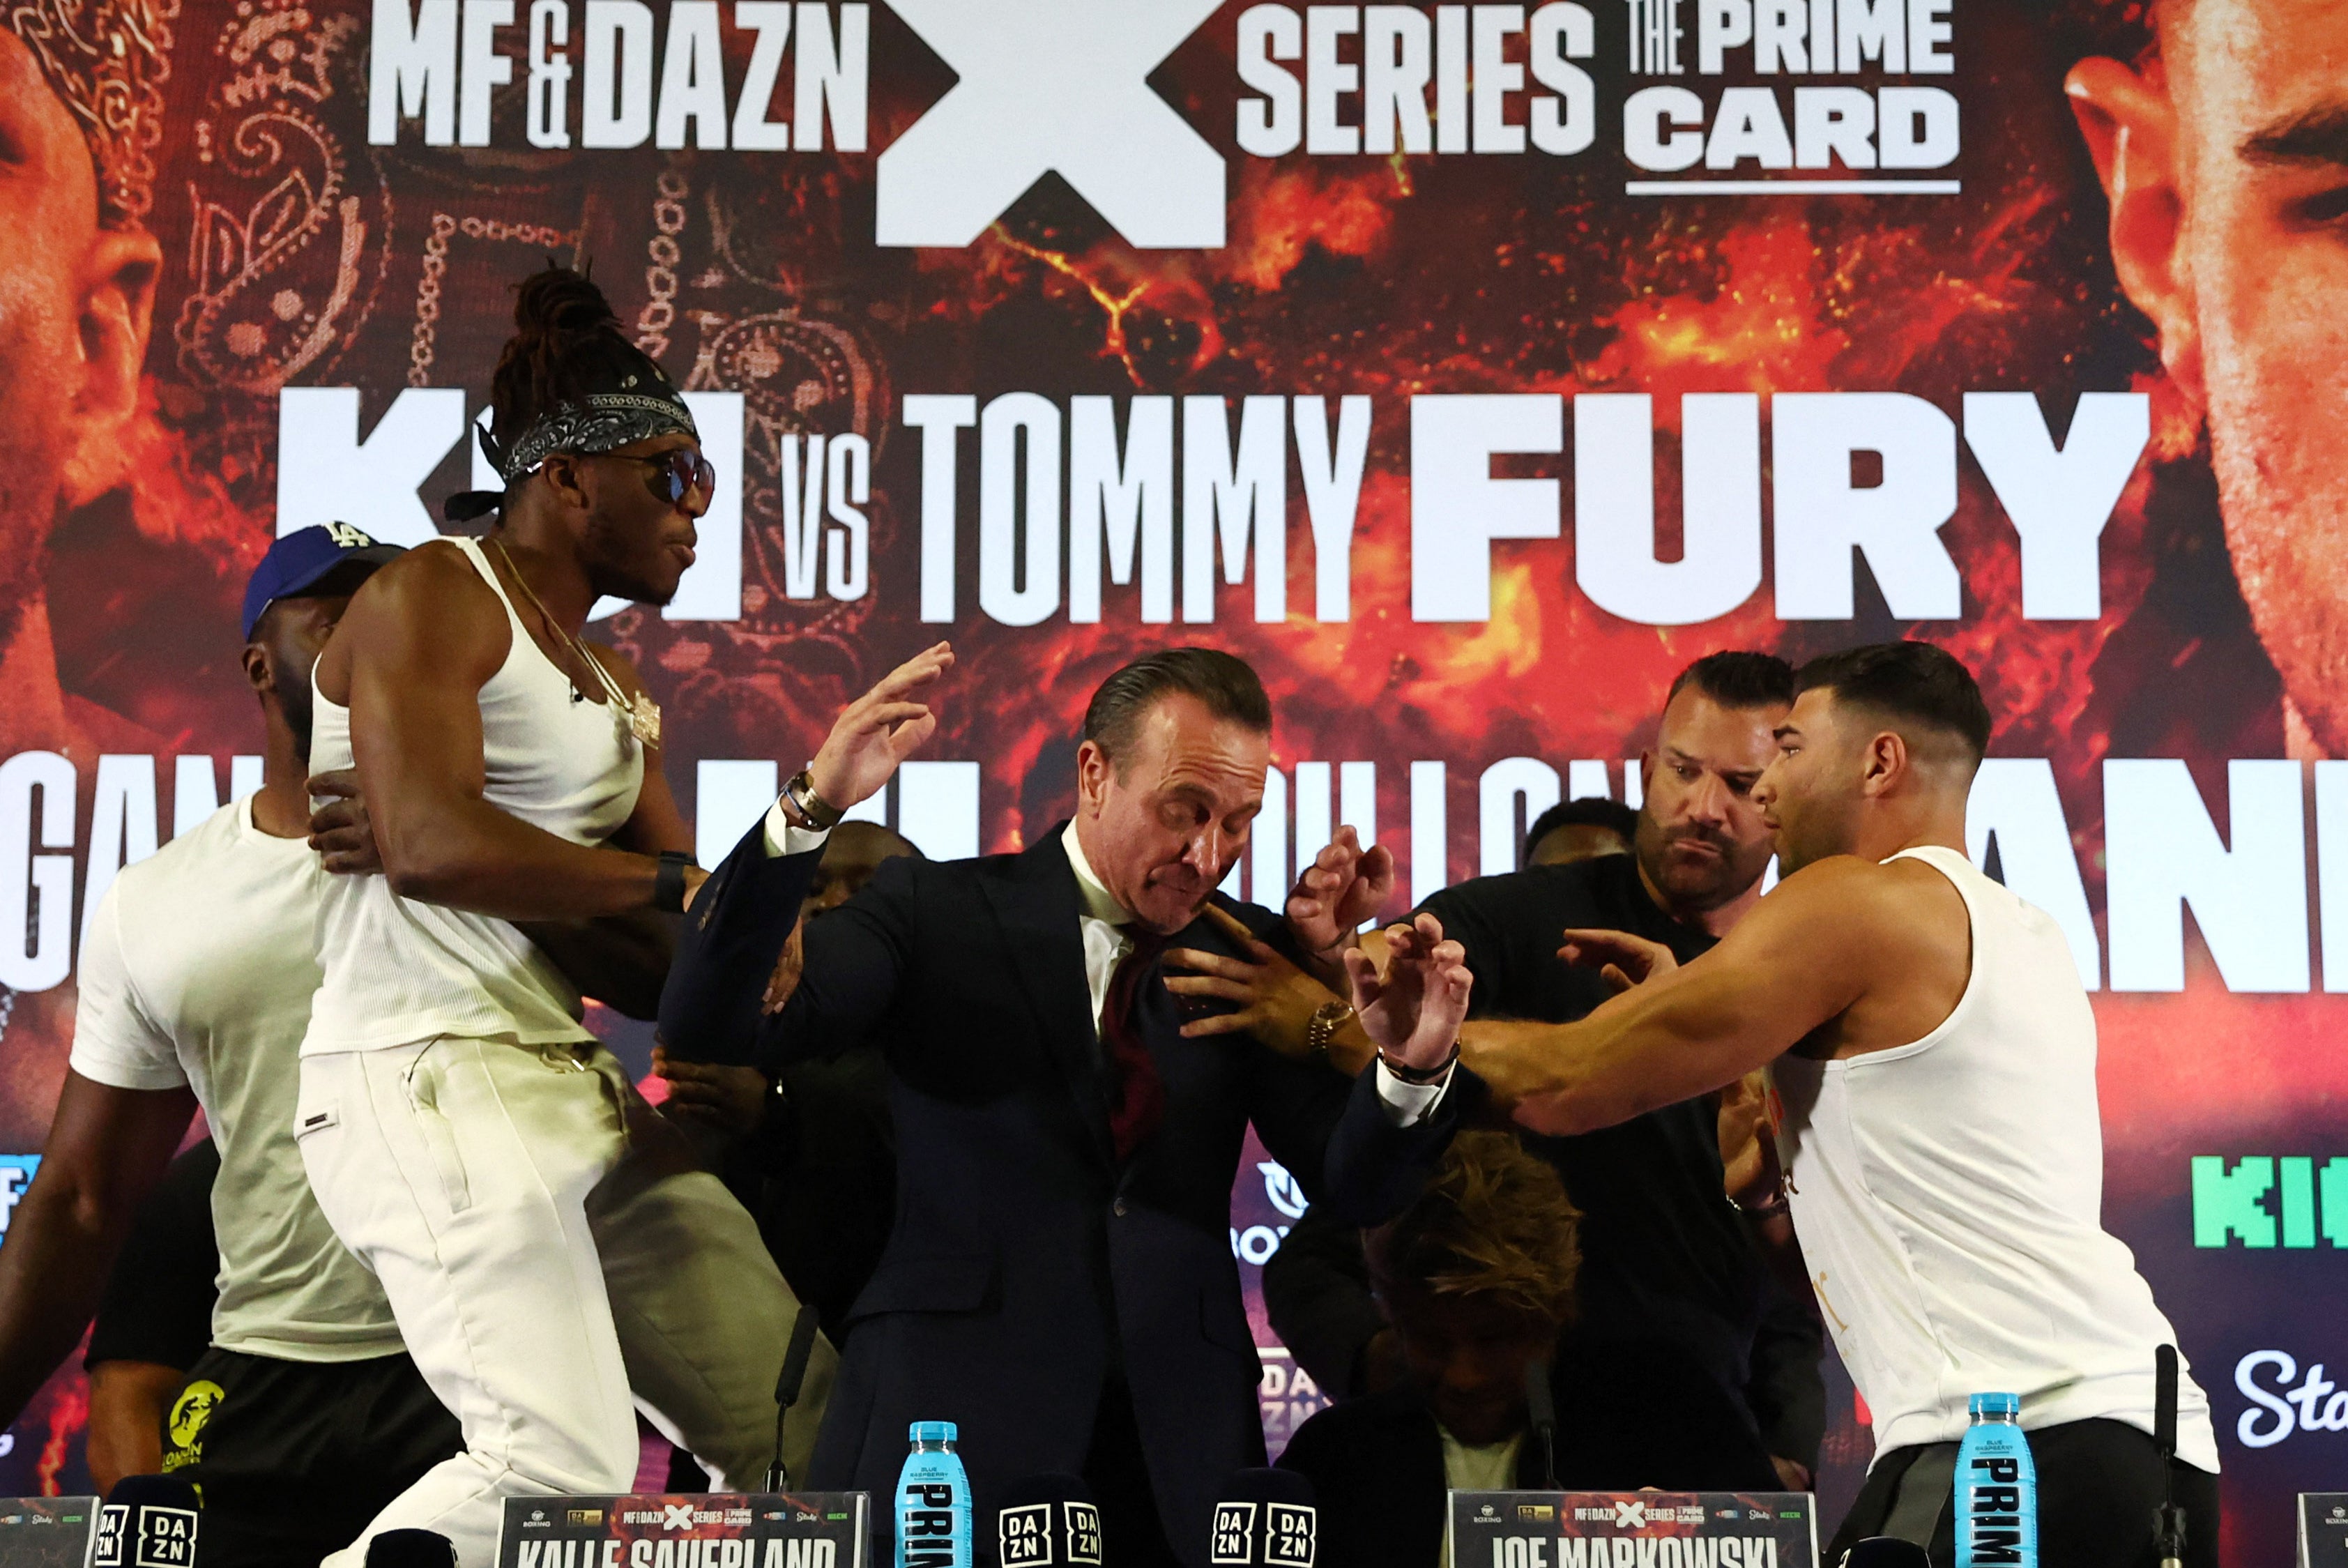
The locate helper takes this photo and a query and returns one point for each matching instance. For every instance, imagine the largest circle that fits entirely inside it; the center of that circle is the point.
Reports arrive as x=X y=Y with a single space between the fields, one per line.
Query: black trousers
x=294 y=1457
x=2098 y=1485
x=1132 y=1534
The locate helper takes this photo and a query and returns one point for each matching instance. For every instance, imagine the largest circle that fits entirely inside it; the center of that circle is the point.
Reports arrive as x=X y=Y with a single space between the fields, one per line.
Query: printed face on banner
x=2225 y=159
x=62 y=393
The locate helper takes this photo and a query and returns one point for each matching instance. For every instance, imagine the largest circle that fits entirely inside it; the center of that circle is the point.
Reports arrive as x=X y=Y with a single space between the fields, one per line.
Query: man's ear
x=116 y=307
x=560 y=472
x=1092 y=777
x=2131 y=132
x=257 y=674
x=1886 y=761
x=1646 y=771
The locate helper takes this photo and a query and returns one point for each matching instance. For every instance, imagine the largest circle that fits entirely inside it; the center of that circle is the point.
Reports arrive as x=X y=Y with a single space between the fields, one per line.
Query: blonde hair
x=1493 y=1221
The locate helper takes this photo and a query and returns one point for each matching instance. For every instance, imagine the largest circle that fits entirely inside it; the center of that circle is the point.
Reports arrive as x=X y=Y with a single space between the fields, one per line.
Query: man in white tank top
x=550 y=1250
x=1934 y=1057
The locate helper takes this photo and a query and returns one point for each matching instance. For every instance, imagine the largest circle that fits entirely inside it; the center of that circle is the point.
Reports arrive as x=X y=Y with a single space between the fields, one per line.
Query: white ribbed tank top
x=399 y=970
x=1948 y=1195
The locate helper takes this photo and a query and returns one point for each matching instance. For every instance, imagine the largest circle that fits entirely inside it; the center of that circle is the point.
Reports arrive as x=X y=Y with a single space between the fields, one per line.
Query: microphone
x=1048 y=1521
x=1540 y=1412
x=148 y=1521
x=2167 y=1520
x=1265 y=1519
x=786 y=1390
x=411 y=1549
x=1886 y=1552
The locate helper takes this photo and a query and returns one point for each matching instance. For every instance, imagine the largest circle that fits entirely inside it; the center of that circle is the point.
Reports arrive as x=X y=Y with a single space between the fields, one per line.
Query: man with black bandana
x=550 y=1249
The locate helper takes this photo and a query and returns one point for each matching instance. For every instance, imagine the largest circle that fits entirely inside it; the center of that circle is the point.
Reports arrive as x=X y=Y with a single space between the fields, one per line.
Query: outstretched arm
x=106 y=1148
x=619 y=960
x=1806 y=954
x=738 y=922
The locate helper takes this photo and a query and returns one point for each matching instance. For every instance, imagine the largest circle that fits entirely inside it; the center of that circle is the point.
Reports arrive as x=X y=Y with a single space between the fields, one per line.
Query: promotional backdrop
x=1469 y=369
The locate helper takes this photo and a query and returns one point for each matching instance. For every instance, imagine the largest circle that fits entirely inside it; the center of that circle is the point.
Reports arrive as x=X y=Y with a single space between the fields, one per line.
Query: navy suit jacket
x=1025 y=1266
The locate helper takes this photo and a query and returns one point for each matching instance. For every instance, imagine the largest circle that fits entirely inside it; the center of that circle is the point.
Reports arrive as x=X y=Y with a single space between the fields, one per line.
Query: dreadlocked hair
x=1493 y=1221
x=566 y=340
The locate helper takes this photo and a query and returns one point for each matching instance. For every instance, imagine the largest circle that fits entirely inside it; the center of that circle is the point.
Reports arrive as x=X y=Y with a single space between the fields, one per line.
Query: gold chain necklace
x=639 y=715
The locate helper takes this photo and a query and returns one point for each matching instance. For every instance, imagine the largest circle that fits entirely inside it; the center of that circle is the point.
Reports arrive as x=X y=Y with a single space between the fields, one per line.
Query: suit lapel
x=1037 y=908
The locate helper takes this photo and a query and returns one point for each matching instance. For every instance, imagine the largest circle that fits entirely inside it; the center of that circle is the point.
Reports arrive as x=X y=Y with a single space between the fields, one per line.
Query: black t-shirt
x=1663 y=1252
x=1629 y=1415
x=158 y=1304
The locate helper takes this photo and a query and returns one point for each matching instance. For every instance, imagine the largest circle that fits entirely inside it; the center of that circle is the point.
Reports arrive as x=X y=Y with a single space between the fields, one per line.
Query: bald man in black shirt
x=1668 y=1259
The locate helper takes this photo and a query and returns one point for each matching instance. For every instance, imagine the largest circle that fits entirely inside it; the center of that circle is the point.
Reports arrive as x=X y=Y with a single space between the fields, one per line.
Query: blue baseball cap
x=306 y=557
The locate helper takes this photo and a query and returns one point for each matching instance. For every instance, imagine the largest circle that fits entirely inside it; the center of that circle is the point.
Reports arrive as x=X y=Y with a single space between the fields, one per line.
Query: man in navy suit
x=1059 y=1281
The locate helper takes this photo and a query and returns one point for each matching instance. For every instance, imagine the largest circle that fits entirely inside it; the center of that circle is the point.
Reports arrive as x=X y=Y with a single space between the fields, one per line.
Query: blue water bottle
x=933 y=1502
x=1997 y=1487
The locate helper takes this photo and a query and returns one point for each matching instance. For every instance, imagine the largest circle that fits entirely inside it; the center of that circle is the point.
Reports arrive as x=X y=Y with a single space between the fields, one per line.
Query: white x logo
x=677 y=1516
x=1052 y=86
x=1630 y=1515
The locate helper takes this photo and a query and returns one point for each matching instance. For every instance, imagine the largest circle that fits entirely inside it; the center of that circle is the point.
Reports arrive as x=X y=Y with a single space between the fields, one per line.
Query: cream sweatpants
x=555 y=1261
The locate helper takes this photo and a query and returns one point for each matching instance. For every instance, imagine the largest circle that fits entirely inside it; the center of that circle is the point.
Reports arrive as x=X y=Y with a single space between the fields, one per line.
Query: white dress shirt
x=785 y=837
x=1104 y=921
x=1107 y=940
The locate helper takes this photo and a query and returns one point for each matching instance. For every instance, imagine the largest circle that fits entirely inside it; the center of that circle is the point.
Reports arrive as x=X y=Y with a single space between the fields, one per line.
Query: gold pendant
x=644 y=721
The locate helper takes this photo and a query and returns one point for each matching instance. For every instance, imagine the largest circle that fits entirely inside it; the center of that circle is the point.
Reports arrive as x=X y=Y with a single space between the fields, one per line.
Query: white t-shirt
x=199 y=971
x=1491 y=1468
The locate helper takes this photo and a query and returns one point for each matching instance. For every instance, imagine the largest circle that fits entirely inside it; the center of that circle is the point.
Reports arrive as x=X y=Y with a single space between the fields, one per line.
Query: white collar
x=1098 y=902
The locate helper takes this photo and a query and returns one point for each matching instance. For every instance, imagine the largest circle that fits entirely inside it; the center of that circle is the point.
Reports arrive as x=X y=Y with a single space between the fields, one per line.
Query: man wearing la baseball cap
x=328 y=561
x=305 y=1416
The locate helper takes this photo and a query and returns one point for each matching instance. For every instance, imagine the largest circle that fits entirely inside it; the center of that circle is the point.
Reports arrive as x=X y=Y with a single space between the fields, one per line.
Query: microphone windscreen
x=1540 y=1405
x=1048 y=1521
x=2164 y=1398
x=149 y=1521
x=1884 y=1551
x=1266 y=1517
x=795 y=1357
x=411 y=1549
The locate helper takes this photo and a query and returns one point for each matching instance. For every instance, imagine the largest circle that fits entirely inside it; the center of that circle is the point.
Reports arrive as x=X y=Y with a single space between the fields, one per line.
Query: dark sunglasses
x=677 y=474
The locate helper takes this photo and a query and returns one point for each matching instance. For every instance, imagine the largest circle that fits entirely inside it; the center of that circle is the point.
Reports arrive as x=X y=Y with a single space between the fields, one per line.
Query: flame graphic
x=68 y=1418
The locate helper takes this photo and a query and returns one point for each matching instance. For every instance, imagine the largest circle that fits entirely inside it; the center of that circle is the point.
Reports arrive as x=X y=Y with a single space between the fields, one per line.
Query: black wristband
x=815 y=813
x=1422 y=1078
x=668 y=883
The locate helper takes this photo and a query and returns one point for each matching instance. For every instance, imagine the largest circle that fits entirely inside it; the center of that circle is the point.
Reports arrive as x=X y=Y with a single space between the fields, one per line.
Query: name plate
x=1633 y=1530
x=698 y=1530
x=2323 y=1530
x=46 y=1532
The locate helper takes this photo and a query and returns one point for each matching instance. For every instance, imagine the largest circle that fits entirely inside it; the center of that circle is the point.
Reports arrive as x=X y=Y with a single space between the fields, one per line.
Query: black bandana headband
x=598 y=422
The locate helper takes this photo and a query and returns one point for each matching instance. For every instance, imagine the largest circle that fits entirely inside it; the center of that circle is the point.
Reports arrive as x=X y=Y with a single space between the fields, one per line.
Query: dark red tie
x=1139 y=1102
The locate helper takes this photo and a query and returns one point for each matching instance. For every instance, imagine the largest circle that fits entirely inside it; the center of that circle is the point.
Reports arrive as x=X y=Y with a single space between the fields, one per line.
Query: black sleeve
x=1317 y=1293
x=1635 y=1414
x=727 y=950
x=1466 y=921
x=1373 y=1168
x=1787 y=1393
x=857 y=956
x=157 y=1305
